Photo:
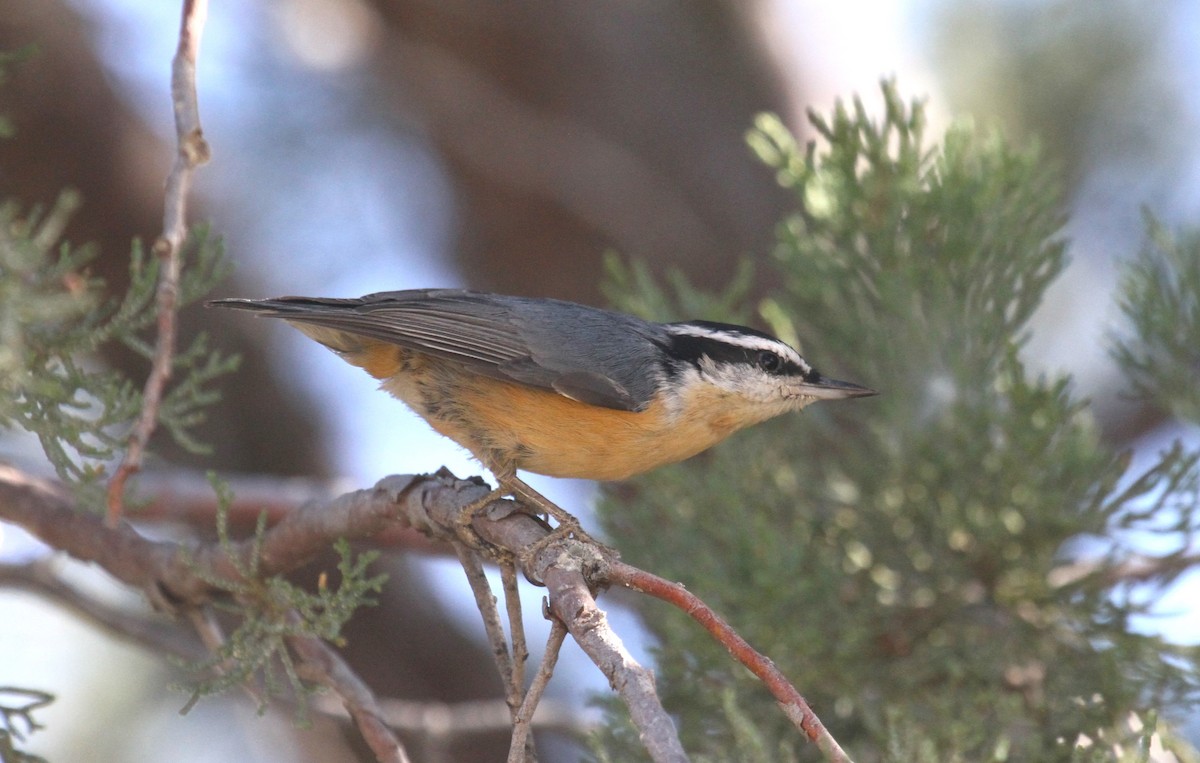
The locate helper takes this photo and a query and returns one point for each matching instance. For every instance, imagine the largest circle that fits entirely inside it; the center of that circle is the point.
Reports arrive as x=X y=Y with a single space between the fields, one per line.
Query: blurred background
x=364 y=145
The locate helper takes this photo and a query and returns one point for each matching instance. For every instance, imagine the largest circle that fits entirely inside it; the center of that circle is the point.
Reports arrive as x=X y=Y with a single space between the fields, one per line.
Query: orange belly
x=510 y=426
x=543 y=432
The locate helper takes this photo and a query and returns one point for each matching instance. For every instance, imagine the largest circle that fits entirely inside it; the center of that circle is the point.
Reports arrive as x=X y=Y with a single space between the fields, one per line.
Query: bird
x=558 y=388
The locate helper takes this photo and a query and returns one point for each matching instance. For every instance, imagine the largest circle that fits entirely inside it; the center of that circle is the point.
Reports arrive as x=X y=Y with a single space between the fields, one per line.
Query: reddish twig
x=192 y=152
x=789 y=699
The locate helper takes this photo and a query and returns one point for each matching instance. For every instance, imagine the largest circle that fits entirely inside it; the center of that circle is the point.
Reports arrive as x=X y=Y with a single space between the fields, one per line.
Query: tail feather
x=283 y=305
x=320 y=320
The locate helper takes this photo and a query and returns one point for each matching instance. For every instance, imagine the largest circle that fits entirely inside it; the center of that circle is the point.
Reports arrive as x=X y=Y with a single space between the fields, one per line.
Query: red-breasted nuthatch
x=558 y=388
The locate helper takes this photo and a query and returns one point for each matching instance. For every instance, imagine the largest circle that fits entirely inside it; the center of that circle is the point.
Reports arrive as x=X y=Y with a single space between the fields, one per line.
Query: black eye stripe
x=692 y=349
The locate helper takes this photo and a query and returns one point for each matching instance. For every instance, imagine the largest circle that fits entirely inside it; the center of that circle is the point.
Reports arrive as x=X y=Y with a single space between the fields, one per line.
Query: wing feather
x=509 y=338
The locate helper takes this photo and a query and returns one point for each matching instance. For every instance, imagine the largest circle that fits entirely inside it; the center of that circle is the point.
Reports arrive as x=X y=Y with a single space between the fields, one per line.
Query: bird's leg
x=505 y=476
x=568 y=525
x=511 y=485
x=519 y=489
x=468 y=513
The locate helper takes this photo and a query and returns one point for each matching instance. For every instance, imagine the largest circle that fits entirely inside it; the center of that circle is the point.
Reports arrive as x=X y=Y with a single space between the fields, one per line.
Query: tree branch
x=485 y=602
x=572 y=602
x=525 y=714
x=430 y=719
x=38 y=577
x=572 y=570
x=192 y=151
x=187 y=497
x=324 y=666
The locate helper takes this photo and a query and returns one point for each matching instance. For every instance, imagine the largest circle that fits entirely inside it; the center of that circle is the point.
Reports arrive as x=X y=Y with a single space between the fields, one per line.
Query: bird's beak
x=823 y=388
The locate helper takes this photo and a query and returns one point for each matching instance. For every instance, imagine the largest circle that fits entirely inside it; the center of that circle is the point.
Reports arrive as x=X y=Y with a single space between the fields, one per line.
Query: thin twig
x=39 y=577
x=17 y=706
x=516 y=625
x=319 y=663
x=520 y=651
x=486 y=602
x=517 y=749
x=212 y=635
x=192 y=151
x=793 y=704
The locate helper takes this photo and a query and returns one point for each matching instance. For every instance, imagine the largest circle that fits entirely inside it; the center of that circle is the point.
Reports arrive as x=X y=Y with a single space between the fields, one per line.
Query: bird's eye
x=770 y=362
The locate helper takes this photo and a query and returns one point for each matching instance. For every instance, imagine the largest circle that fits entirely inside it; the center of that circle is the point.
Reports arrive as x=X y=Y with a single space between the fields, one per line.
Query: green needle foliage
x=55 y=317
x=916 y=563
x=273 y=610
x=1161 y=300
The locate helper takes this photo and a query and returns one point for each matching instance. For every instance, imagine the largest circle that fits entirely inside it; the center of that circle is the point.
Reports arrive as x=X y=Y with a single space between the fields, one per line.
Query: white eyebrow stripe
x=749 y=341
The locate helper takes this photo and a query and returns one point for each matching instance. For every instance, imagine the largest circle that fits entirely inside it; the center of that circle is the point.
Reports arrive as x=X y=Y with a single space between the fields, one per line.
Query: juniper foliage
x=55 y=320
x=55 y=317
x=913 y=562
x=271 y=611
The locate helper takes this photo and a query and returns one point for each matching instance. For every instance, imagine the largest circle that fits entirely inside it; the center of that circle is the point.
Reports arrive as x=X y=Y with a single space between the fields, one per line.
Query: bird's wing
x=507 y=338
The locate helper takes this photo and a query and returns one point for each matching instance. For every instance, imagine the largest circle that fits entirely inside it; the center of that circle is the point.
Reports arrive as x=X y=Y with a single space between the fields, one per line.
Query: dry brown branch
x=169 y=574
x=40 y=578
x=518 y=749
x=165 y=570
x=516 y=623
x=320 y=664
x=572 y=570
x=427 y=719
x=187 y=497
x=485 y=601
x=520 y=651
x=572 y=602
x=192 y=151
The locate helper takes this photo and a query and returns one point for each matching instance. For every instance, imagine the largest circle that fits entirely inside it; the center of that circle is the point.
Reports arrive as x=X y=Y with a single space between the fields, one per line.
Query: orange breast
x=544 y=432
x=508 y=425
